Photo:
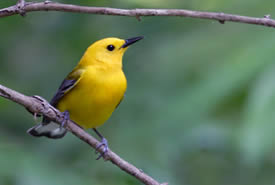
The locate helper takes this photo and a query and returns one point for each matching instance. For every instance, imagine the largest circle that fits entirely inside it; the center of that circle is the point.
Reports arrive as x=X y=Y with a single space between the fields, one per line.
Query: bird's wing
x=48 y=128
x=68 y=83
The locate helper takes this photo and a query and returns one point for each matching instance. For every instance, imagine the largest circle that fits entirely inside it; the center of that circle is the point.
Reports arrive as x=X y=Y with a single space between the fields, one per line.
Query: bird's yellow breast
x=91 y=102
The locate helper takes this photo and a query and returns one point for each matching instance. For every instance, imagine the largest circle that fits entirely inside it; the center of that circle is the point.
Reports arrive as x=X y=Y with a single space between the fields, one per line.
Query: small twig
x=39 y=106
x=221 y=17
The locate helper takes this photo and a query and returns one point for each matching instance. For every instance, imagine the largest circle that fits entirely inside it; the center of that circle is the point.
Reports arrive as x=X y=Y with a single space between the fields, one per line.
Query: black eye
x=110 y=47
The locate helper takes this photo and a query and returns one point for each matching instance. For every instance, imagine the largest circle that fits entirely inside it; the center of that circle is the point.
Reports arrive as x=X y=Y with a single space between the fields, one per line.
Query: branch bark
x=19 y=6
x=40 y=106
x=51 y=6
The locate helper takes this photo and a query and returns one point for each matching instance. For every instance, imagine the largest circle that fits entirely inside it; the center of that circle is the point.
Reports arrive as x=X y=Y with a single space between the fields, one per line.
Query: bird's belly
x=90 y=107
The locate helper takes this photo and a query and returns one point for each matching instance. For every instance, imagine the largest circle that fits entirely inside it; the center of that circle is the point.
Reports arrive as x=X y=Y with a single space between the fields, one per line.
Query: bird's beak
x=130 y=41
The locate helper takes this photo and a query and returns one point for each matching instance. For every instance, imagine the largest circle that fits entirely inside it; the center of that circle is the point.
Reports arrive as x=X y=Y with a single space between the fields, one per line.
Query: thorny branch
x=39 y=106
x=52 y=6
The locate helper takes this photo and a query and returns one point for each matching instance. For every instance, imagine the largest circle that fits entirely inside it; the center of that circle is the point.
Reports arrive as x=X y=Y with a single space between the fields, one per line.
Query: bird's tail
x=48 y=129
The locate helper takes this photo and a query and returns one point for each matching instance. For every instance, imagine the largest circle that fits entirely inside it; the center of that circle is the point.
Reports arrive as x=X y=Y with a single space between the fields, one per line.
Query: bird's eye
x=110 y=47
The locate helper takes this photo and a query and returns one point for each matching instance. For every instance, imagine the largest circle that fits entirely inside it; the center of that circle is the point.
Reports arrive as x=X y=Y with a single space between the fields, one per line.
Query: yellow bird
x=92 y=91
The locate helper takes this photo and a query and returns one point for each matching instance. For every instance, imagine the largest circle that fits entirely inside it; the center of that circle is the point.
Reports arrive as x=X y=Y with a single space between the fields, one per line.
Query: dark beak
x=130 y=41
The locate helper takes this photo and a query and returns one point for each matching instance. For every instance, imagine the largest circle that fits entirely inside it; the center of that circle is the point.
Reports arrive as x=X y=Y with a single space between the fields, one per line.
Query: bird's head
x=108 y=51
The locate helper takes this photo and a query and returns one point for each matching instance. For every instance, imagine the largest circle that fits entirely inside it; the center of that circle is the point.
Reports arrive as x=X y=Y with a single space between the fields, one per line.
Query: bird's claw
x=66 y=117
x=103 y=143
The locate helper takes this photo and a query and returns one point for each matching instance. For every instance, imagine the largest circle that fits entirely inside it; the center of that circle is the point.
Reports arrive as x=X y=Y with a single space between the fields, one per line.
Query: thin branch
x=40 y=106
x=51 y=6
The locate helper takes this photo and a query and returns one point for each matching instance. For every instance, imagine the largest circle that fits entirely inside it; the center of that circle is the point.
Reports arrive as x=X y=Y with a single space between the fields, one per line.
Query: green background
x=199 y=108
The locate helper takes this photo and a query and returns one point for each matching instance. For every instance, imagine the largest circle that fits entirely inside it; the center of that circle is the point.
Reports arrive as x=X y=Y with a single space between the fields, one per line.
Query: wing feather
x=52 y=130
x=68 y=83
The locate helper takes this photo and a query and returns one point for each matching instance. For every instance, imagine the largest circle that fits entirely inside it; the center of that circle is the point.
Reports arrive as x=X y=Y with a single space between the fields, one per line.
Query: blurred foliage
x=199 y=109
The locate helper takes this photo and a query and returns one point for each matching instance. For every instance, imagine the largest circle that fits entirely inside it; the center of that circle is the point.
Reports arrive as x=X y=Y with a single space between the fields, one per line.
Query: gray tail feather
x=49 y=130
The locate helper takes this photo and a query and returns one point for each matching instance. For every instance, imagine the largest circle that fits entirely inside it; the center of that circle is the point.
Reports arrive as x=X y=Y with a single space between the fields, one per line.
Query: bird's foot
x=103 y=143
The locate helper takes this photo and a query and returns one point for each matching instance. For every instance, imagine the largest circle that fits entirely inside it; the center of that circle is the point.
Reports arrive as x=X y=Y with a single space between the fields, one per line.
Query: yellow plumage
x=92 y=91
x=100 y=84
x=97 y=93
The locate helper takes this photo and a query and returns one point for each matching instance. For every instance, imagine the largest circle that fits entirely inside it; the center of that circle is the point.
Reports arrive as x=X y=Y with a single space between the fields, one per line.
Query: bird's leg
x=103 y=142
x=66 y=117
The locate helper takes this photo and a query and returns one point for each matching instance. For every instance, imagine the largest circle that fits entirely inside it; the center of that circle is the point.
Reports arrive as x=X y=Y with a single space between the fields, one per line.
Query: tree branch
x=51 y=6
x=19 y=6
x=40 y=106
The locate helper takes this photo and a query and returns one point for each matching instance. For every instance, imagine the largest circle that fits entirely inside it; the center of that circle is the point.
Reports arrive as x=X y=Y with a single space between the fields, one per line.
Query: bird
x=92 y=91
